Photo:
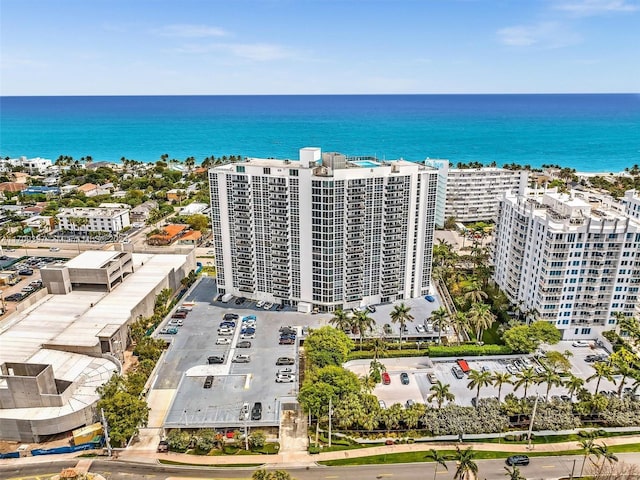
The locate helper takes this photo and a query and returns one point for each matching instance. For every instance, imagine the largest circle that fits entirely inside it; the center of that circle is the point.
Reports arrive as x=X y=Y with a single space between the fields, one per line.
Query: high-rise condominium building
x=473 y=194
x=323 y=232
x=570 y=259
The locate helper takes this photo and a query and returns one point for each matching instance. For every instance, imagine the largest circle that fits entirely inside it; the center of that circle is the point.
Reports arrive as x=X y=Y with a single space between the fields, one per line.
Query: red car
x=386 y=379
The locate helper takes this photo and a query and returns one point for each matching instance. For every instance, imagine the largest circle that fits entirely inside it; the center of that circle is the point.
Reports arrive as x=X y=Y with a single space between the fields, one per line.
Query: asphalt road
x=541 y=468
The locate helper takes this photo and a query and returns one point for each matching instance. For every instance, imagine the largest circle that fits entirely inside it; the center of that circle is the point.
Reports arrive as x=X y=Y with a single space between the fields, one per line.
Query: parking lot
x=185 y=366
x=418 y=369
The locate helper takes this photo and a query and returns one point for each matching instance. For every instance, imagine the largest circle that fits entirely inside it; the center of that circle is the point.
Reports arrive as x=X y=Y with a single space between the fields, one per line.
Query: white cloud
x=190 y=31
x=585 y=8
x=543 y=34
x=261 y=52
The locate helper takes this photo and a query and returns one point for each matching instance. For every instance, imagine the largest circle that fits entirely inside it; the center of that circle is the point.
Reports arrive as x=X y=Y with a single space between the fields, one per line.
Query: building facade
x=570 y=259
x=324 y=232
x=473 y=194
x=86 y=220
x=631 y=203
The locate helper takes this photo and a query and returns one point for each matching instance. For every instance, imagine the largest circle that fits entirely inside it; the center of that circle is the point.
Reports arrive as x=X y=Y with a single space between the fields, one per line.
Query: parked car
x=215 y=359
x=225 y=331
x=386 y=379
x=223 y=341
x=208 y=381
x=248 y=331
x=256 y=411
x=176 y=322
x=517 y=460
x=283 y=371
x=219 y=297
x=279 y=307
x=287 y=341
x=382 y=404
x=371 y=308
x=267 y=306
x=260 y=303
x=410 y=403
x=54 y=249
x=420 y=329
x=179 y=314
x=230 y=316
x=244 y=412
x=285 y=378
x=240 y=300
x=25 y=271
x=287 y=331
x=243 y=344
x=28 y=289
x=432 y=378
x=457 y=372
x=249 y=318
x=169 y=330
x=248 y=336
x=228 y=324
x=387 y=329
x=580 y=343
x=163 y=446
x=285 y=361
x=404 y=378
x=430 y=298
x=241 y=359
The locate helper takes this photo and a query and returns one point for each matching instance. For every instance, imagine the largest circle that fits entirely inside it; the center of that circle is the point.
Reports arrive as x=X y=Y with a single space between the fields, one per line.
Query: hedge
x=438 y=351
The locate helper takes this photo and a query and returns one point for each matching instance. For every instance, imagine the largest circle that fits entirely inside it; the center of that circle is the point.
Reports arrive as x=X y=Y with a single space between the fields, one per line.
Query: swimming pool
x=366 y=163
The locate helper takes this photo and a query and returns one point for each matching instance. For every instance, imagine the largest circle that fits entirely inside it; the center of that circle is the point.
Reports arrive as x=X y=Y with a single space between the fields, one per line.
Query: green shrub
x=313 y=450
x=468 y=350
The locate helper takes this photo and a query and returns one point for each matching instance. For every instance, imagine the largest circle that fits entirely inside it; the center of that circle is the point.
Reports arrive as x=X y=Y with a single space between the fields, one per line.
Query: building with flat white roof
x=87 y=220
x=570 y=259
x=326 y=232
x=55 y=354
x=473 y=194
x=631 y=204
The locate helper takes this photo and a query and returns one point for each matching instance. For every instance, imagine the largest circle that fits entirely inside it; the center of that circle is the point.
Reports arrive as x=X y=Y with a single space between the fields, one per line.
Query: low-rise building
x=86 y=220
x=54 y=355
x=169 y=234
x=141 y=213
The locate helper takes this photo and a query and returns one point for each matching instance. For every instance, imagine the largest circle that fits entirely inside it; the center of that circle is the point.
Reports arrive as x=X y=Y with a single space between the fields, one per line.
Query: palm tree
x=466 y=468
x=525 y=377
x=474 y=293
x=499 y=379
x=460 y=321
x=589 y=448
x=606 y=454
x=623 y=362
x=379 y=347
x=602 y=370
x=401 y=315
x=440 y=393
x=481 y=318
x=439 y=459
x=514 y=473
x=364 y=323
x=479 y=379
x=574 y=385
x=340 y=320
x=551 y=378
x=440 y=320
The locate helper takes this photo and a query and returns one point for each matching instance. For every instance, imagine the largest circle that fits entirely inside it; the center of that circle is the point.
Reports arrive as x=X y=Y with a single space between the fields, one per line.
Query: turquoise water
x=586 y=132
x=366 y=163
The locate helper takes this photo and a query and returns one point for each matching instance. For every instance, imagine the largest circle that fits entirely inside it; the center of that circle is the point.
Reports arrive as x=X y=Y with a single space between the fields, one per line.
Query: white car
x=223 y=341
x=241 y=359
x=176 y=322
x=285 y=371
x=260 y=303
x=268 y=305
x=225 y=331
x=580 y=343
x=420 y=329
x=285 y=378
x=248 y=336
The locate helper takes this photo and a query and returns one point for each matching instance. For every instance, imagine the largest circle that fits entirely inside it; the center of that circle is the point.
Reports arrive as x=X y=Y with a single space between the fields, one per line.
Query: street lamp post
x=533 y=415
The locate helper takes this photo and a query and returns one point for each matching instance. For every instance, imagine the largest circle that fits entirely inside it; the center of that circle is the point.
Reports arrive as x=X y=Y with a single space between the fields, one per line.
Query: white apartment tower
x=573 y=259
x=324 y=232
x=473 y=194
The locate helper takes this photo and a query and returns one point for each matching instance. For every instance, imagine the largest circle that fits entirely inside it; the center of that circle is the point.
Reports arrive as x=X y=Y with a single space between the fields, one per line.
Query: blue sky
x=91 y=47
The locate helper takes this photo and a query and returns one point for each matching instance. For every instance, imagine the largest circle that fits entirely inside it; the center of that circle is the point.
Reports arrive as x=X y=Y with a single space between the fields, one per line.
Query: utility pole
x=330 y=413
x=573 y=469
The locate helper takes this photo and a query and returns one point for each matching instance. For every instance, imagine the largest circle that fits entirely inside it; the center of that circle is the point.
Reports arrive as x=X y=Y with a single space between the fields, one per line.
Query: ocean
x=591 y=133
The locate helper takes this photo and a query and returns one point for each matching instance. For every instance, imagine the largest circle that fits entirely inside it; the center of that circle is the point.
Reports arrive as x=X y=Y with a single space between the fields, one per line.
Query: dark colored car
x=228 y=324
x=279 y=307
x=14 y=297
x=285 y=361
x=288 y=335
x=26 y=271
x=404 y=378
x=230 y=316
x=243 y=344
x=208 y=381
x=517 y=460
x=179 y=315
x=430 y=298
x=287 y=331
x=240 y=300
x=248 y=330
x=256 y=411
x=163 y=446
x=287 y=341
x=215 y=359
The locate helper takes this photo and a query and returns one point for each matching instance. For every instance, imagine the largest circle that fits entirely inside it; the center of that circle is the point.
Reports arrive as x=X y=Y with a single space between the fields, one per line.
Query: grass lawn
x=413 y=457
x=184 y=464
x=538 y=440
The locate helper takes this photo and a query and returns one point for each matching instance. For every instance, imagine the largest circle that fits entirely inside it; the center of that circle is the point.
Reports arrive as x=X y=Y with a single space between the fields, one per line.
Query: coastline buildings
x=70 y=341
x=570 y=259
x=325 y=232
x=473 y=194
